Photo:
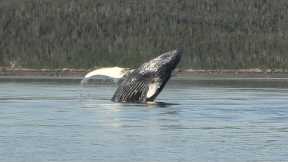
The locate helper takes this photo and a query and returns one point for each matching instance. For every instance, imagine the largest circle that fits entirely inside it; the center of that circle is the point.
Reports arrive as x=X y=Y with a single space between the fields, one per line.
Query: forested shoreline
x=215 y=34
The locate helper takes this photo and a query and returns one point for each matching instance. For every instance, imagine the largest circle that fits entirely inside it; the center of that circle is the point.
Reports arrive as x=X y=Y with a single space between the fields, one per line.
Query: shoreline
x=194 y=74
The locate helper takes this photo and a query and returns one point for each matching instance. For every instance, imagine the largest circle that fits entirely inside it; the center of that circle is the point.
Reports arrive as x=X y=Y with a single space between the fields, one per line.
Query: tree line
x=215 y=34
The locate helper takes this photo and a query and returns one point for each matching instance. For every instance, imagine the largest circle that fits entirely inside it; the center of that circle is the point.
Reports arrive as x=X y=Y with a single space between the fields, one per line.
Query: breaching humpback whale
x=143 y=84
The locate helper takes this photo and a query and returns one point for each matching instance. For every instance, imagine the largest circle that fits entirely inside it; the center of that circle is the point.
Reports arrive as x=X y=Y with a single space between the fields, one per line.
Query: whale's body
x=145 y=82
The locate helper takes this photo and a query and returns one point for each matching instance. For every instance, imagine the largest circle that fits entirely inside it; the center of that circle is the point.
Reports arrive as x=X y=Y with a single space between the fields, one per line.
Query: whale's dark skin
x=146 y=82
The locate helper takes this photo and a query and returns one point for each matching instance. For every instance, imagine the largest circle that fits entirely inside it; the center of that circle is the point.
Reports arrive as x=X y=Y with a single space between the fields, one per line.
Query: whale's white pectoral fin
x=115 y=73
x=152 y=89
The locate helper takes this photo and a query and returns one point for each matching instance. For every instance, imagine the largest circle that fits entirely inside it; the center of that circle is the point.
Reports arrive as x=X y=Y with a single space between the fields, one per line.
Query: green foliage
x=215 y=34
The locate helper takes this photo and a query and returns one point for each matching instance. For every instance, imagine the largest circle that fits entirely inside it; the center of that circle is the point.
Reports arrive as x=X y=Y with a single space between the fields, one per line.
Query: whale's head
x=162 y=65
x=159 y=71
x=146 y=82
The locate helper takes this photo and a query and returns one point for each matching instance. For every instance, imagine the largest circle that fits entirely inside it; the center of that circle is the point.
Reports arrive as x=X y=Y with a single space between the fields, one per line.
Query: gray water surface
x=205 y=121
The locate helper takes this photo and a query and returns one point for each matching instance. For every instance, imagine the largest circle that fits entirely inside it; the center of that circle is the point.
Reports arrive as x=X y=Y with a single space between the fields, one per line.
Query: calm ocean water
x=201 y=121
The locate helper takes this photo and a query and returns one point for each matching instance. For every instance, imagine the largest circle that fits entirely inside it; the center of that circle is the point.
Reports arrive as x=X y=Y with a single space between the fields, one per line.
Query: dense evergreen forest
x=215 y=34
